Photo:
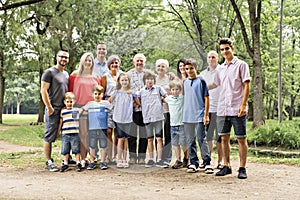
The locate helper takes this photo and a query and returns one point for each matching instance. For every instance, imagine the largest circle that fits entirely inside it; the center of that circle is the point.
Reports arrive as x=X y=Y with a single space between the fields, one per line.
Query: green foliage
x=25 y=135
x=285 y=135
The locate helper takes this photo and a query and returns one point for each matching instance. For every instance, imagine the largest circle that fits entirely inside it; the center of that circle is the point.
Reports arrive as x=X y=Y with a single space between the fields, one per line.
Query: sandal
x=120 y=164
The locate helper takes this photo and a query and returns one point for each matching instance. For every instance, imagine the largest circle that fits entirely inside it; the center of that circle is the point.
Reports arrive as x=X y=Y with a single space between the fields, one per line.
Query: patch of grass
x=24 y=135
x=27 y=159
x=15 y=119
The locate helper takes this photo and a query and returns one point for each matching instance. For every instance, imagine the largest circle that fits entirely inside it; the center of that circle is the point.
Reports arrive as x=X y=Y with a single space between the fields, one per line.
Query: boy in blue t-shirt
x=97 y=116
x=195 y=117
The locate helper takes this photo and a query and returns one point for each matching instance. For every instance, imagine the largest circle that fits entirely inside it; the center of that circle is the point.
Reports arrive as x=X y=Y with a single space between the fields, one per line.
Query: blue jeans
x=192 y=130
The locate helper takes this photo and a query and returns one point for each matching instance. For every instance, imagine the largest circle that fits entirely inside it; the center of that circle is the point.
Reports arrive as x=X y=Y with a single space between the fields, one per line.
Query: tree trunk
x=41 y=103
x=292 y=107
x=254 y=53
x=258 y=109
x=18 y=107
x=2 y=81
x=250 y=111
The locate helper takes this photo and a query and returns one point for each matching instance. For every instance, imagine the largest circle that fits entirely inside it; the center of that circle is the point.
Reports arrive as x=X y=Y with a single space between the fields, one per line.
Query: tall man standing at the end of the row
x=54 y=85
x=233 y=78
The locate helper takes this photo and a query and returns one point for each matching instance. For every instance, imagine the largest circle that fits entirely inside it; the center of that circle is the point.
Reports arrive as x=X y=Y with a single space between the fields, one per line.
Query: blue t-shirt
x=194 y=92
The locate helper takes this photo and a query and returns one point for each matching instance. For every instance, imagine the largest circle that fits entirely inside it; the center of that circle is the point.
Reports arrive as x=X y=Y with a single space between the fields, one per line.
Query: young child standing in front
x=122 y=99
x=175 y=102
x=98 y=124
x=195 y=117
x=69 y=127
x=151 y=101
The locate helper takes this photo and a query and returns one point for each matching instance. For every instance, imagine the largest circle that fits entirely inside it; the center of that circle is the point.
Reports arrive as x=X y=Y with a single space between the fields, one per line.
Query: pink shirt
x=82 y=87
x=230 y=77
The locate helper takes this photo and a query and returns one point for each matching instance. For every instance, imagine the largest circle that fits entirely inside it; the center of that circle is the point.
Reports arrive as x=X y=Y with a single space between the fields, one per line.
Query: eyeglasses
x=65 y=57
x=226 y=48
x=212 y=57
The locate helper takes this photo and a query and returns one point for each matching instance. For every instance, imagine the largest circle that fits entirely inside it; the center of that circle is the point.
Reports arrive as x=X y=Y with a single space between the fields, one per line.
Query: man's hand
x=242 y=111
x=50 y=110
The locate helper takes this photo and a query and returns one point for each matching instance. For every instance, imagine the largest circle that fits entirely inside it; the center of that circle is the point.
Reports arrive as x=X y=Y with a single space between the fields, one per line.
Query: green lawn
x=32 y=135
x=15 y=119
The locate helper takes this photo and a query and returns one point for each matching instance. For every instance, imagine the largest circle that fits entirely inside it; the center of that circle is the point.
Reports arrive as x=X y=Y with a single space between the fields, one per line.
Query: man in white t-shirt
x=208 y=75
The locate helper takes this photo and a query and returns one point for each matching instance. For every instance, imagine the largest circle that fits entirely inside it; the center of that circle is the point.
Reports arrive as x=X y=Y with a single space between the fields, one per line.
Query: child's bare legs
x=151 y=147
x=66 y=158
x=125 y=149
x=159 y=148
x=92 y=155
x=77 y=156
x=121 y=148
x=115 y=143
x=103 y=154
x=177 y=152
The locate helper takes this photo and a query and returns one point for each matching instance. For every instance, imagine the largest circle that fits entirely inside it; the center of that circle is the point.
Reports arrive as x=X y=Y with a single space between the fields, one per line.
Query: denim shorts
x=70 y=142
x=98 y=136
x=177 y=135
x=123 y=130
x=224 y=124
x=157 y=126
x=52 y=123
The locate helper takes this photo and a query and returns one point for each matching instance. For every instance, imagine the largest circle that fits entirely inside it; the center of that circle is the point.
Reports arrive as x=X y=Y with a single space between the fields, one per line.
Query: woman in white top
x=109 y=82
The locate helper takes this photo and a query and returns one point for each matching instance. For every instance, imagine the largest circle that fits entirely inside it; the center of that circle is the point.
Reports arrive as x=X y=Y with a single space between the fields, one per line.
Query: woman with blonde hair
x=81 y=83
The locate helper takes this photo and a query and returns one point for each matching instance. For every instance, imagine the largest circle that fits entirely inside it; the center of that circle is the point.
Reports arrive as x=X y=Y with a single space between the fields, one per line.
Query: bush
x=286 y=135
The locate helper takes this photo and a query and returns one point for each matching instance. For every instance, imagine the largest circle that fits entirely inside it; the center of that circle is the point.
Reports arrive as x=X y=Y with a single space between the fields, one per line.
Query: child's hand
x=206 y=120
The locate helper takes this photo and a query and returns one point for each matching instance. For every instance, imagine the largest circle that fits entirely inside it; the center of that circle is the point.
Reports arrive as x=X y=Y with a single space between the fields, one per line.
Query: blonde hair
x=69 y=95
x=174 y=84
x=82 y=60
x=118 y=86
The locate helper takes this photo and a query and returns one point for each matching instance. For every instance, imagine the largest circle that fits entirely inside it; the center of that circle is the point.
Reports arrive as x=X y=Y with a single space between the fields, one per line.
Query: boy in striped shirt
x=69 y=127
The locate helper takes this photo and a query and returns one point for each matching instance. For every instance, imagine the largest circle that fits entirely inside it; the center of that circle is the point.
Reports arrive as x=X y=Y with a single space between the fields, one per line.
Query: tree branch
x=19 y=4
x=243 y=28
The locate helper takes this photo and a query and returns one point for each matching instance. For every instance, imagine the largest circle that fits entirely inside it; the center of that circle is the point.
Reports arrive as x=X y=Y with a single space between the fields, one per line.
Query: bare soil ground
x=264 y=181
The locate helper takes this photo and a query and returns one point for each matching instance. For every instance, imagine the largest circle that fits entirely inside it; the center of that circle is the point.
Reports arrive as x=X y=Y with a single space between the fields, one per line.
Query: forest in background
x=32 y=31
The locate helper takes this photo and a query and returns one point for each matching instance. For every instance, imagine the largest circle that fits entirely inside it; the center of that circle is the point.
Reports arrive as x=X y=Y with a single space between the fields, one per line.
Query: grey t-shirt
x=58 y=86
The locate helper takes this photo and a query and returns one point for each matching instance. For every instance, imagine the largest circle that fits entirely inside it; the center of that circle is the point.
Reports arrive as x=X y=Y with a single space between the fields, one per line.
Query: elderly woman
x=163 y=79
x=81 y=83
x=109 y=82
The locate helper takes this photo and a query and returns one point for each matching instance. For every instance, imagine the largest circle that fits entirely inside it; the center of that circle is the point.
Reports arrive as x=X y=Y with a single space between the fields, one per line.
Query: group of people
x=143 y=111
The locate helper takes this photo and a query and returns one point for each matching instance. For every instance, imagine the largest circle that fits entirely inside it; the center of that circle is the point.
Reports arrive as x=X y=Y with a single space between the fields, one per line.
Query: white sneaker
x=209 y=169
x=192 y=169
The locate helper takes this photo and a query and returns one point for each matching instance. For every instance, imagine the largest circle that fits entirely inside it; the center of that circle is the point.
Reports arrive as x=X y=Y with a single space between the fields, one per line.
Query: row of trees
x=32 y=31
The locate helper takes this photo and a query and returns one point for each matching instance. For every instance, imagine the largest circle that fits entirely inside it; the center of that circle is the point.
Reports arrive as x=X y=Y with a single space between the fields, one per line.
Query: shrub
x=272 y=134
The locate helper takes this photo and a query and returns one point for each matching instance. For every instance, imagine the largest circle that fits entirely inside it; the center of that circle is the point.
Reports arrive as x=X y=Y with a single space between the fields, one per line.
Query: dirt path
x=265 y=181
